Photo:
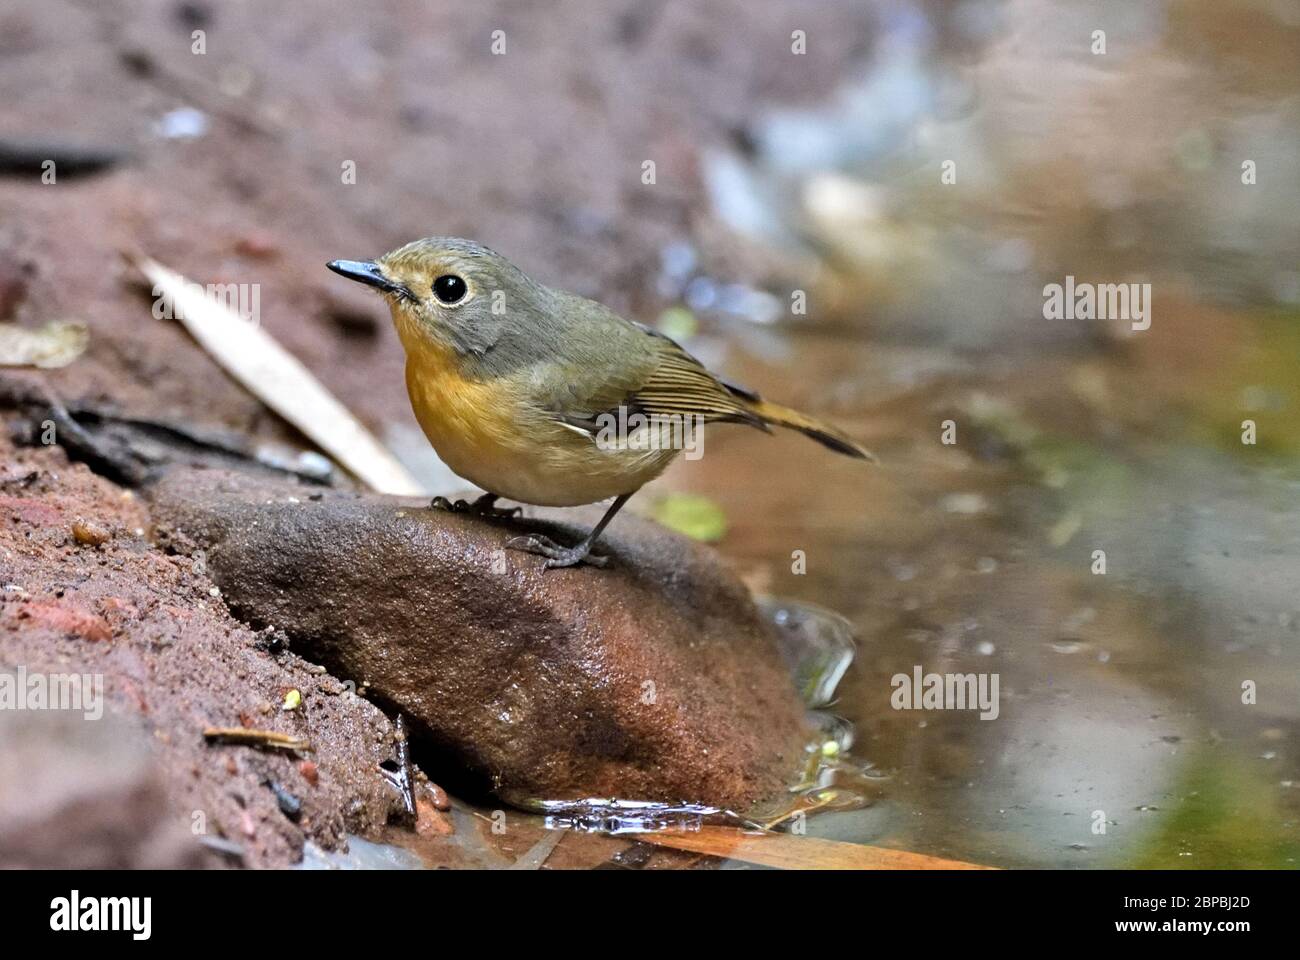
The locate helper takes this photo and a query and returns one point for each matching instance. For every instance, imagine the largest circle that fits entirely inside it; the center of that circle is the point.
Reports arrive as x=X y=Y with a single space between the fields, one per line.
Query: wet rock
x=654 y=678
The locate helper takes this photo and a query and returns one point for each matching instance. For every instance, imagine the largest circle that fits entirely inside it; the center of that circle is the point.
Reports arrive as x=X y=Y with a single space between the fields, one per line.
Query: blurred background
x=856 y=208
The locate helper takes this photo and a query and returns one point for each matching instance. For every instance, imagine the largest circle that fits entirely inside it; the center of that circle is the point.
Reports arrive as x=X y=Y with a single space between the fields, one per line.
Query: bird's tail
x=822 y=432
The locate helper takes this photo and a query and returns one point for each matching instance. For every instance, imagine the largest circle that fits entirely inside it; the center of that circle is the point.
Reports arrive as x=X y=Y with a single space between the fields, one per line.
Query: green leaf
x=695 y=516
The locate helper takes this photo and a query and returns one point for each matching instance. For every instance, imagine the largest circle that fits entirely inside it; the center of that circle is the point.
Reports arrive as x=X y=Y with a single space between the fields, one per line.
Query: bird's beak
x=369 y=273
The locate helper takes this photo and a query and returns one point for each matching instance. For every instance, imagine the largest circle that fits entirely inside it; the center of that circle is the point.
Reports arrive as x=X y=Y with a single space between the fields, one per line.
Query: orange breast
x=454 y=411
x=488 y=433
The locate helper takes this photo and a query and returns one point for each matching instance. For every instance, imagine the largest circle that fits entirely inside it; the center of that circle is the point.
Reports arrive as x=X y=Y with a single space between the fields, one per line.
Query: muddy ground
x=537 y=152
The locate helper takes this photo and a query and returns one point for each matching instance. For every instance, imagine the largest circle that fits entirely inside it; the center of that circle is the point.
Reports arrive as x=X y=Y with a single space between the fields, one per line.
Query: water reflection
x=1102 y=515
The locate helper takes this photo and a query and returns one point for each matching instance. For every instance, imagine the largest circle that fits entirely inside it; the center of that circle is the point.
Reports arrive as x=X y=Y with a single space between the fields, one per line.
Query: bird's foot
x=556 y=555
x=484 y=506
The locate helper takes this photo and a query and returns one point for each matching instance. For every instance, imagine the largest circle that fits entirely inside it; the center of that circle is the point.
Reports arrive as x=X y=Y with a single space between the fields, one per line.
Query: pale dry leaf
x=56 y=344
x=277 y=378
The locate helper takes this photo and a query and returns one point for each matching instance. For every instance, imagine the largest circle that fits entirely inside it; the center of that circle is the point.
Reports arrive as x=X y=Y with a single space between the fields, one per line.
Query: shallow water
x=1148 y=698
x=1121 y=737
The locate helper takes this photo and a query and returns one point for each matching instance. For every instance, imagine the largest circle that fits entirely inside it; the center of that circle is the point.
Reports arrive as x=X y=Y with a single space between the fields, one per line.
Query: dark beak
x=369 y=273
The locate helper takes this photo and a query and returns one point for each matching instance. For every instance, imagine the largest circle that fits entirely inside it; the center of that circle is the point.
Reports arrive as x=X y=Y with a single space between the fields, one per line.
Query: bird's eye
x=450 y=288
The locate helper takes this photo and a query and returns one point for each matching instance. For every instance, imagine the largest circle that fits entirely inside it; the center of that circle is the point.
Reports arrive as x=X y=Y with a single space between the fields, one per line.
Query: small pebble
x=257 y=246
x=289 y=804
x=88 y=533
x=967 y=504
x=439 y=797
x=184 y=123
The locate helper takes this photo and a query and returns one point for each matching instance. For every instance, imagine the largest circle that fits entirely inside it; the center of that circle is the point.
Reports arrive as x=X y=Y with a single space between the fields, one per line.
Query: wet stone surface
x=655 y=678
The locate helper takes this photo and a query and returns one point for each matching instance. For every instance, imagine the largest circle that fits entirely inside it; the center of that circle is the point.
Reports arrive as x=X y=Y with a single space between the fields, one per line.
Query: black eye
x=449 y=288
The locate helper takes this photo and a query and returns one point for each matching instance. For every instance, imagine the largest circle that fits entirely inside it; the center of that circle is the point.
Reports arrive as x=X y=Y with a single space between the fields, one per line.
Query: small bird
x=513 y=384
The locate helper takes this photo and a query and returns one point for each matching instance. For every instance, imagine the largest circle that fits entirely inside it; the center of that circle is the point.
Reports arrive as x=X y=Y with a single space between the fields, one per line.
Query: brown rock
x=439 y=797
x=654 y=678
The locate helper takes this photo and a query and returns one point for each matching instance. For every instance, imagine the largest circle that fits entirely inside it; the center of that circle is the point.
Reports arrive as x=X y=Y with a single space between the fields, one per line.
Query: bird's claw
x=556 y=555
x=442 y=503
x=484 y=506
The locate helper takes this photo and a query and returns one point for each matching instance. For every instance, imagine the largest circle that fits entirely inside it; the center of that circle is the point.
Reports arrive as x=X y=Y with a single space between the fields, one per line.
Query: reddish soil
x=173 y=658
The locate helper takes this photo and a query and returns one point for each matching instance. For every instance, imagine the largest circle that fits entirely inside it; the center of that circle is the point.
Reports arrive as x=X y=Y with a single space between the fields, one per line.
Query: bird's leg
x=558 y=556
x=484 y=506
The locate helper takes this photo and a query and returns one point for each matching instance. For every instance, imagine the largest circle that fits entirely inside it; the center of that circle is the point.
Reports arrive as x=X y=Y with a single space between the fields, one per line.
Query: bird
x=521 y=388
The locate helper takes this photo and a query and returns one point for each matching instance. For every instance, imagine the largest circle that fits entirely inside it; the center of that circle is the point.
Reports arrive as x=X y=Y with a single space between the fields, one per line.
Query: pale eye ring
x=450 y=289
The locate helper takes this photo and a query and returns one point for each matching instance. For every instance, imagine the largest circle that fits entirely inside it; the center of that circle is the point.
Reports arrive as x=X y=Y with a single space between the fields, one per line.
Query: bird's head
x=456 y=293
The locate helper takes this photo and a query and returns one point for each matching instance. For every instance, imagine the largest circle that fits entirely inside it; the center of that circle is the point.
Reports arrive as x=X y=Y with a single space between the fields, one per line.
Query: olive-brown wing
x=641 y=371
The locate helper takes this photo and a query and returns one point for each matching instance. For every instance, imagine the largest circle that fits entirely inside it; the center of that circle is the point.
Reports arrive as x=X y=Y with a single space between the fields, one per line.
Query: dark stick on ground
x=107 y=460
x=403 y=778
x=132 y=451
x=28 y=159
